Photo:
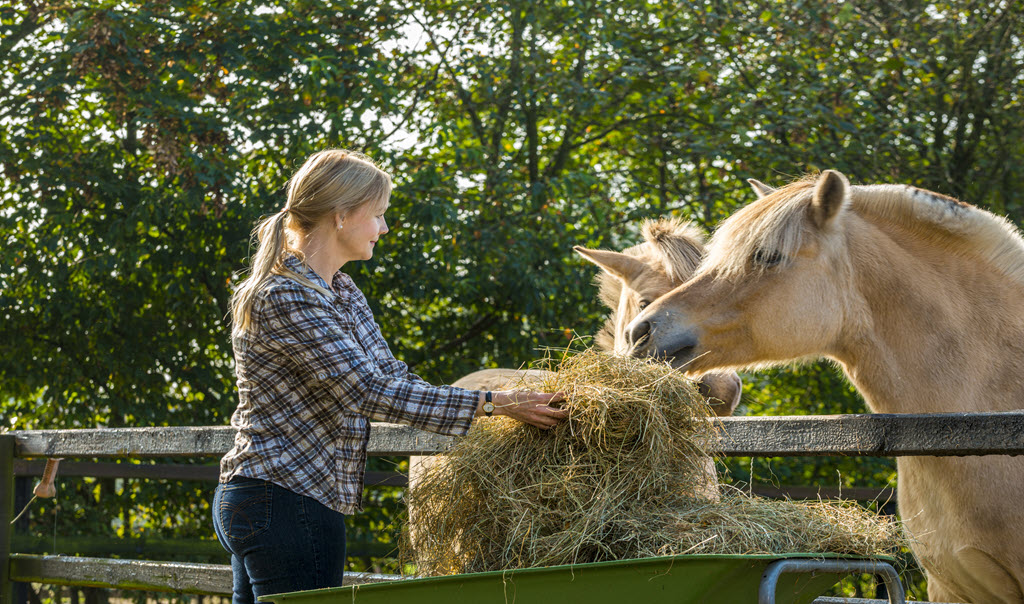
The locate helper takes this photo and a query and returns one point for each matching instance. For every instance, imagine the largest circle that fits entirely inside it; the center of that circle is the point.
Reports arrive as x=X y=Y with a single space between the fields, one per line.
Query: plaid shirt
x=312 y=373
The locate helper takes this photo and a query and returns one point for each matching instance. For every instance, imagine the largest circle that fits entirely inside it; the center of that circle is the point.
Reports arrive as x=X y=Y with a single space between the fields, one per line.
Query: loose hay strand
x=626 y=476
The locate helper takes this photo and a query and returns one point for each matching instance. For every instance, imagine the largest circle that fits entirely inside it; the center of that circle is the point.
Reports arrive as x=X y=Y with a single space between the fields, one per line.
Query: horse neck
x=933 y=332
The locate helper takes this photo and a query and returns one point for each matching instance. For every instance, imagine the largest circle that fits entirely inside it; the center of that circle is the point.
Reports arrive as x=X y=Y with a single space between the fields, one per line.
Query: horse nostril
x=639 y=332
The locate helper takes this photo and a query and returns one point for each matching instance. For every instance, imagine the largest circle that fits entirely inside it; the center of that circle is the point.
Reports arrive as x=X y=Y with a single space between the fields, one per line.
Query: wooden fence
x=837 y=435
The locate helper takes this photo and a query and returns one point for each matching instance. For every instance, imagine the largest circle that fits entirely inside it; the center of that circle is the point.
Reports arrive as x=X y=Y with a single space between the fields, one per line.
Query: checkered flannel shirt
x=312 y=373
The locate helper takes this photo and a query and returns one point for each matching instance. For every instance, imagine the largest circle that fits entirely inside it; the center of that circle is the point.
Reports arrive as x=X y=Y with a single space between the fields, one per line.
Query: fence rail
x=844 y=435
x=168 y=471
x=840 y=435
x=179 y=577
x=25 y=469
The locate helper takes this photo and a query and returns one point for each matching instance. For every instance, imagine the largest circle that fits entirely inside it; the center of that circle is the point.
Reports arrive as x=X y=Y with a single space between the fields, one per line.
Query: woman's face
x=360 y=231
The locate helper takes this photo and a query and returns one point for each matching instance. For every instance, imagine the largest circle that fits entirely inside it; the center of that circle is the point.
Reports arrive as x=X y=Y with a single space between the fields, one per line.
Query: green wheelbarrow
x=684 y=579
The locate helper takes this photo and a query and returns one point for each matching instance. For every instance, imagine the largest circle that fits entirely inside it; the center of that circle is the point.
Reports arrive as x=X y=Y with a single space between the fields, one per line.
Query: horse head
x=636 y=277
x=771 y=289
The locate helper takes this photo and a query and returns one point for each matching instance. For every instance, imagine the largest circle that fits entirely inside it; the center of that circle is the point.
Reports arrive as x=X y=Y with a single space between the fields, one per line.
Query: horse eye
x=766 y=258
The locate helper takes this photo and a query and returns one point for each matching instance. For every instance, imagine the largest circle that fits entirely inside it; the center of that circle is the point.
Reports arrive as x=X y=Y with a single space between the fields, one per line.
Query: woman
x=313 y=370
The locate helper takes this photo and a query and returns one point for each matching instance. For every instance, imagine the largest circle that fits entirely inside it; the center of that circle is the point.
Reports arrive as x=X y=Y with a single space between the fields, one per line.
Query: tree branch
x=557 y=164
x=464 y=95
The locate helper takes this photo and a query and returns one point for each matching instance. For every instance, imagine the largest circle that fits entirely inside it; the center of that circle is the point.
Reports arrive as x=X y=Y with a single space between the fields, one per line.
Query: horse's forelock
x=605 y=337
x=677 y=246
x=771 y=225
x=610 y=292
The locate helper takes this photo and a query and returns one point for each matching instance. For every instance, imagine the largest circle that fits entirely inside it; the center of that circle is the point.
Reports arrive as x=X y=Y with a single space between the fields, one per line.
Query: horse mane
x=775 y=224
x=958 y=227
x=671 y=245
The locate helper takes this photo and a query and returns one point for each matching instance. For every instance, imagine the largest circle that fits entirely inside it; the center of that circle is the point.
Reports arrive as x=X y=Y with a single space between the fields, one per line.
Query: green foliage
x=141 y=141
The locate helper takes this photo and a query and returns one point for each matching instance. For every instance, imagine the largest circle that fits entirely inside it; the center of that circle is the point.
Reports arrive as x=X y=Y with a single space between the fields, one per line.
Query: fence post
x=22 y=497
x=6 y=515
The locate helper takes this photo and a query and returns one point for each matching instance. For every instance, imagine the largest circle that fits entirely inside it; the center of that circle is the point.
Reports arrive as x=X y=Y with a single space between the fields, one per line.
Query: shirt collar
x=341 y=284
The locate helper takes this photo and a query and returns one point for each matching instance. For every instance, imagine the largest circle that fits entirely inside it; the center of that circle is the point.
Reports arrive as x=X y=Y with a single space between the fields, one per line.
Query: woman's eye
x=644 y=304
x=767 y=258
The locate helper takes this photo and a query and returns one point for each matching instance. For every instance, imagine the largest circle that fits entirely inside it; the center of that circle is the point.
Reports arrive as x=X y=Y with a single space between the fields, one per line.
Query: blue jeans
x=279 y=541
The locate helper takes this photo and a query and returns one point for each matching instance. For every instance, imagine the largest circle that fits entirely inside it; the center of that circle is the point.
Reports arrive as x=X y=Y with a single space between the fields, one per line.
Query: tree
x=141 y=142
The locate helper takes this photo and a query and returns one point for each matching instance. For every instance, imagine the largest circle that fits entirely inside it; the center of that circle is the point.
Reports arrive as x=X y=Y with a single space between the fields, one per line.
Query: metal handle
x=770 y=577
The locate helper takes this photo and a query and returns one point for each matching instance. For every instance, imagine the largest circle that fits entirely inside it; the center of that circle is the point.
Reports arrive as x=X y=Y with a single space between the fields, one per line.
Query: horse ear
x=830 y=193
x=615 y=263
x=760 y=188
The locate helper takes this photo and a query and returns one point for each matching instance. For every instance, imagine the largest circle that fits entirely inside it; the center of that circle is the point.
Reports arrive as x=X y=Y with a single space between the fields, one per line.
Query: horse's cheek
x=792 y=316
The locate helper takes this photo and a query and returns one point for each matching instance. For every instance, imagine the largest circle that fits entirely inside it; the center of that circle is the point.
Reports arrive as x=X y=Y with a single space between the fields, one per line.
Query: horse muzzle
x=664 y=341
x=722 y=389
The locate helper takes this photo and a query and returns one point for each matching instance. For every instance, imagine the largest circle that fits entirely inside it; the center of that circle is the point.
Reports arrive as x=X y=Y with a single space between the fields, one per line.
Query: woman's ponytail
x=271 y=242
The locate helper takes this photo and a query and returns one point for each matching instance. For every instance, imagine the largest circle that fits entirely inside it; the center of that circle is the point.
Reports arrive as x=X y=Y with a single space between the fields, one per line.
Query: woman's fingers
x=554 y=413
x=535 y=408
x=555 y=397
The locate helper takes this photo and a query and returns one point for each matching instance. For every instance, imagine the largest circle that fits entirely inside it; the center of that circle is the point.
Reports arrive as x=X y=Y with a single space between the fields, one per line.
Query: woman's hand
x=532 y=408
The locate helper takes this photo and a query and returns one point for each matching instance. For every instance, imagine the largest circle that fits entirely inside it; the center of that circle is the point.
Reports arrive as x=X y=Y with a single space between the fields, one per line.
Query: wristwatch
x=488 y=405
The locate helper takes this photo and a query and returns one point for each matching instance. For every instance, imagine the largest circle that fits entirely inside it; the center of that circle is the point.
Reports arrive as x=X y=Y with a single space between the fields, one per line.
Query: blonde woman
x=313 y=369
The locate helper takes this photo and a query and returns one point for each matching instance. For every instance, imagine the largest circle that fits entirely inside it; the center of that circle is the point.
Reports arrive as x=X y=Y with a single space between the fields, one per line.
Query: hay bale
x=623 y=477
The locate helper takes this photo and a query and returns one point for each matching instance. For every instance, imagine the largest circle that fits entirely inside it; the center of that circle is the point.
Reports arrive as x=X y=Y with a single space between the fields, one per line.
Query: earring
x=339 y=226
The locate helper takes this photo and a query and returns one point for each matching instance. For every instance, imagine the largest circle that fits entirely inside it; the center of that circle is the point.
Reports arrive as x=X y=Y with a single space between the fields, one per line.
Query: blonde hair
x=331 y=181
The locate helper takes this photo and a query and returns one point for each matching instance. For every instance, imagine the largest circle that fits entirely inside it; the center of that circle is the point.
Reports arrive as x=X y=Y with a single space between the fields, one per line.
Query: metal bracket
x=883 y=570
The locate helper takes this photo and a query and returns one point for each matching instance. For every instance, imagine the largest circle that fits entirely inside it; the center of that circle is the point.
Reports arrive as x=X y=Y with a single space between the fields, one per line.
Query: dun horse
x=920 y=299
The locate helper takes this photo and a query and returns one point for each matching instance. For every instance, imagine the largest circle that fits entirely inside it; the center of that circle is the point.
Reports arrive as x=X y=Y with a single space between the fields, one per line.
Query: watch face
x=488 y=407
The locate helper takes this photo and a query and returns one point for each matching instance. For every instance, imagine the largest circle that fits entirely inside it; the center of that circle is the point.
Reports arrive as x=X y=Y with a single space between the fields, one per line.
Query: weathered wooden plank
x=161 y=548
x=183 y=577
x=396 y=439
x=167 y=471
x=125 y=574
x=385 y=439
x=847 y=435
x=126 y=442
x=875 y=435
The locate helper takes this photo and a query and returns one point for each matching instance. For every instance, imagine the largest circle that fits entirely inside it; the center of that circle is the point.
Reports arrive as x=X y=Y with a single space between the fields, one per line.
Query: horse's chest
x=946 y=502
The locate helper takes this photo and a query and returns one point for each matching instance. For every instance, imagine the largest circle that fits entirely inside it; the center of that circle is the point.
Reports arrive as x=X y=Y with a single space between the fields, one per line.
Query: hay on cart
x=623 y=477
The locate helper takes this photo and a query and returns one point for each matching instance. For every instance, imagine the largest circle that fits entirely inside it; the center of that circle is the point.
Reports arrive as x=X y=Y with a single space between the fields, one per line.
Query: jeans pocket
x=244 y=510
